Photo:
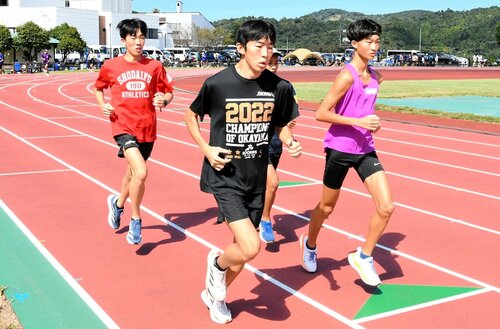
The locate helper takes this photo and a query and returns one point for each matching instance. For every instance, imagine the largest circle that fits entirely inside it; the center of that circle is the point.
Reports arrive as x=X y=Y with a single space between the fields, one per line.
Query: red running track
x=60 y=159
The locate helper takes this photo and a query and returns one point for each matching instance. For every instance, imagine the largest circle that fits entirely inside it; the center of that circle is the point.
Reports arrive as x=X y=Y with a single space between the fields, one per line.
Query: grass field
x=316 y=91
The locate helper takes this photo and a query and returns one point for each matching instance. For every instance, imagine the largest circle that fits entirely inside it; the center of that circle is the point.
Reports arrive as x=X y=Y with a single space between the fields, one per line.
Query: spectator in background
x=1 y=62
x=46 y=61
x=99 y=60
x=204 y=61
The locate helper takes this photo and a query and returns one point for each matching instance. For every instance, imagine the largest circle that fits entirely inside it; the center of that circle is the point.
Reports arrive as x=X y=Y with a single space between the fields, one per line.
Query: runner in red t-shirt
x=138 y=86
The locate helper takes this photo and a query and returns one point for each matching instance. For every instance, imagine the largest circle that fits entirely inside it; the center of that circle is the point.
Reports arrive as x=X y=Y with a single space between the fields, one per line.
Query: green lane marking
x=40 y=296
x=395 y=296
x=282 y=184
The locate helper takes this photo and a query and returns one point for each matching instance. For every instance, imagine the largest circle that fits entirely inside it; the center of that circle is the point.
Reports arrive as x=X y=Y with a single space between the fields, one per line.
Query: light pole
x=420 y=39
x=164 y=34
x=340 y=36
x=110 y=42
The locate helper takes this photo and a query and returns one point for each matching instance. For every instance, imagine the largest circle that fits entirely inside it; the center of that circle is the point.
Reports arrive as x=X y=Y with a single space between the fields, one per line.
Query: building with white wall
x=178 y=26
x=95 y=19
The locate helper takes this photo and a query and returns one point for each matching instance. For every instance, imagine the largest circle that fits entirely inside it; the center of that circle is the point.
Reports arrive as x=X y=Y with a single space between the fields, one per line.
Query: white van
x=154 y=53
x=180 y=54
x=72 y=58
x=102 y=52
x=119 y=50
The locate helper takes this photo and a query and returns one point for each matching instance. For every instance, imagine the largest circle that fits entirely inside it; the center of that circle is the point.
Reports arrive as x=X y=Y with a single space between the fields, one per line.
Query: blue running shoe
x=134 y=231
x=266 y=231
x=114 y=213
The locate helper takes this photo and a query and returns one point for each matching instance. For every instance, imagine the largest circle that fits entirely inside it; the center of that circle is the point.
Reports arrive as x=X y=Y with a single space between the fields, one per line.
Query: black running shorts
x=338 y=164
x=237 y=207
x=274 y=159
x=126 y=141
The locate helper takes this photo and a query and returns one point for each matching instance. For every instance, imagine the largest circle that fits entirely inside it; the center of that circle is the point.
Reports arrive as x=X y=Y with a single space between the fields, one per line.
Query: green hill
x=461 y=33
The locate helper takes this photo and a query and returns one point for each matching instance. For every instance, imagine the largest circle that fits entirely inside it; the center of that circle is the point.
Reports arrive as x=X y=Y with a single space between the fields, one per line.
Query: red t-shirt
x=133 y=85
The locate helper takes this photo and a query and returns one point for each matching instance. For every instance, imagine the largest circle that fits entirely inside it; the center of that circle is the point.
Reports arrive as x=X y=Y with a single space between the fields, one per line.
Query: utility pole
x=420 y=39
x=110 y=42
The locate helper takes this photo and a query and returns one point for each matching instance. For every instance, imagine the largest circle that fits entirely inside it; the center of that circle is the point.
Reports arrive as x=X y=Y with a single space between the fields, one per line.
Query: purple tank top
x=359 y=101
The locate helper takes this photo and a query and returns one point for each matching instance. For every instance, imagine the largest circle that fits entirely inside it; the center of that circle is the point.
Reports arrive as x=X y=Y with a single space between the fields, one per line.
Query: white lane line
x=52 y=137
x=459 y=221
x=417 y=159
x=402 y=205
x=422 y=305
x=193 y=175
x=399 y=253
x=68 y=117
x=444 y=137
x=460 y=140
x=92 y=304
x=312 y=180
x=440 y=163
x=451 y=187
x=33 y=172
x=438 y=148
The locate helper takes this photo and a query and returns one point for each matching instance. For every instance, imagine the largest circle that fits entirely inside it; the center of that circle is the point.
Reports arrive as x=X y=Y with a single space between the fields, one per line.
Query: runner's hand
x=294 y=148
x=215 y=157
x=158 y=100
x=107 y=109
x=370 y=122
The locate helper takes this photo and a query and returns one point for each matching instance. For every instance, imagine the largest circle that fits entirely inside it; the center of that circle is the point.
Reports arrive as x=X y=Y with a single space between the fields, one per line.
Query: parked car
x=72 y=58
x=154 y=53
x=462 y=61
x=230 y=53
x=313 y=61
x=329 y=58
x=446 y=59
x=211 y=57
x=388 y=61
x=168 y=57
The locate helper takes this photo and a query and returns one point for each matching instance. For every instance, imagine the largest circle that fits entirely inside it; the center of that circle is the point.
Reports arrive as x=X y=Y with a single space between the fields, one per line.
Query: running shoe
x=215 y=280
x=134 y=231
x=309 y=256
x=364 y=267
x=114 y=213
x=266 y=231
x=219 y=313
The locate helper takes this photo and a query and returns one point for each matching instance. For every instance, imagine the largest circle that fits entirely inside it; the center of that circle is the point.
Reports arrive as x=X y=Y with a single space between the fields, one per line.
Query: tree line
x=31 y=39
x=463 y=33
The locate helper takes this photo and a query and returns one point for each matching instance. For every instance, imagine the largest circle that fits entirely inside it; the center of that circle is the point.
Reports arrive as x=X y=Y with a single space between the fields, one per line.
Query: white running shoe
x=309 y=257
x=364 y=267
x=215 y=280
x=219 y=313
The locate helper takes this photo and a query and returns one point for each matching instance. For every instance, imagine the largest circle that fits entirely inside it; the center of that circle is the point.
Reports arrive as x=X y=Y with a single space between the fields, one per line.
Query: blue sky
x=215 y=10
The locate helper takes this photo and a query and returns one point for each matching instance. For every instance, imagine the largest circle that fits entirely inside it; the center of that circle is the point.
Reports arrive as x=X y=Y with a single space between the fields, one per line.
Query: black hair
x=362 y=29
x=254 y=30
x=130 y=26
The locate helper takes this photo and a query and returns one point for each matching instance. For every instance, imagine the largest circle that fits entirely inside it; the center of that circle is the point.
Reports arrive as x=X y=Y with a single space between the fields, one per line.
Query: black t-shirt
x=242 y=111
x=275 y=144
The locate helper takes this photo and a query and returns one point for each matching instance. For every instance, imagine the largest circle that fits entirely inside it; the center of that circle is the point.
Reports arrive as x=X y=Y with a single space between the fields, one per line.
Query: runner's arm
x=210 y=152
